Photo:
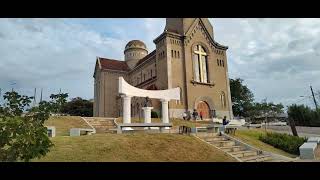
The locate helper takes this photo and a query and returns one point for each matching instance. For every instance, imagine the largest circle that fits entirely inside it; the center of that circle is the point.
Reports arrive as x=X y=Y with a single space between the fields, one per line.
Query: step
x=103 y=125
x=275 y=160
x=223 y=143
x=256 y=158
x=217 y=138
x=240 y=154
x=232 y=148
x=93 y=122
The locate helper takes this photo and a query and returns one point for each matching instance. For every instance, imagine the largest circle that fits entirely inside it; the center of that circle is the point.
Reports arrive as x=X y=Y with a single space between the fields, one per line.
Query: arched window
x=223 y=99
x=200 y=64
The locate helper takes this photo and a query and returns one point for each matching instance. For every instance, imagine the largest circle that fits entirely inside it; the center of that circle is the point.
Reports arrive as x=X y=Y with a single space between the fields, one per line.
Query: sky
x=278 y=59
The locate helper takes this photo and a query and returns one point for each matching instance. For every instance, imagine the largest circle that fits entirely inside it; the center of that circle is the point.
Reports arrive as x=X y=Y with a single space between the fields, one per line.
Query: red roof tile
x=113 y=64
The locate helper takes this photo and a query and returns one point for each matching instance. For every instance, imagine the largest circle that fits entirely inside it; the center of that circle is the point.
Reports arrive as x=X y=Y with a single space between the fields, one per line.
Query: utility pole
x=314 y=99
x=41 y=95
x=293 y=127
x=34 y=97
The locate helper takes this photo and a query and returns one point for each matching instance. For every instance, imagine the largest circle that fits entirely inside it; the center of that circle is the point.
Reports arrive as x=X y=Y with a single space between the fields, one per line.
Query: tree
x=304 y=115
x=57 y=101
x=22 y=135
x=78 y=107
x=264 y=109
x=241 y=97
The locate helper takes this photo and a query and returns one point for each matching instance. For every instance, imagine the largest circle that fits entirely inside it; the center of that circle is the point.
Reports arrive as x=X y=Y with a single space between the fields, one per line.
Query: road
x=302 y=131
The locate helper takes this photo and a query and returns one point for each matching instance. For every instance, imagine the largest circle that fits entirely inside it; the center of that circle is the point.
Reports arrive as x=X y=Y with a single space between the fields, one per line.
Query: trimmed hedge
x=285 y=142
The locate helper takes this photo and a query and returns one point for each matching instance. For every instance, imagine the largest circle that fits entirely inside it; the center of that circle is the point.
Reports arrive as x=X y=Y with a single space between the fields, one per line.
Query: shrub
x=154 y=114
x=285 y=142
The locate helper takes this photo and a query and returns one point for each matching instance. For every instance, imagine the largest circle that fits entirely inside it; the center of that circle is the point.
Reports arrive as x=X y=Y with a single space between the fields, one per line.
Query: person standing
x=195 y=114
x=201 y=114
x=184 y=115
x=224 y=123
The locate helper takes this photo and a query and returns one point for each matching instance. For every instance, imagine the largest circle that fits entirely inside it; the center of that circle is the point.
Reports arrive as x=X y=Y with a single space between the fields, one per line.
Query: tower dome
x=134 y=51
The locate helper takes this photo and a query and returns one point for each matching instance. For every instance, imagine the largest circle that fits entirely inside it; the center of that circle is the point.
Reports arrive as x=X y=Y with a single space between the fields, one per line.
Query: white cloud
x=277 y=58
x=51 y=54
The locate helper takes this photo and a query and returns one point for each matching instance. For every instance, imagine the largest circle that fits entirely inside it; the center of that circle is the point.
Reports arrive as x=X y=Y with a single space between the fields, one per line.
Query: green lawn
x=252 y=137
x=127 y=147
x=133 y=147
x=63 y=124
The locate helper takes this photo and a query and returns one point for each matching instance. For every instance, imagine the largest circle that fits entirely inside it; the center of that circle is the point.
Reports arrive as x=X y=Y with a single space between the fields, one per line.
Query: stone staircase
x=239 y=151
x=102 y=125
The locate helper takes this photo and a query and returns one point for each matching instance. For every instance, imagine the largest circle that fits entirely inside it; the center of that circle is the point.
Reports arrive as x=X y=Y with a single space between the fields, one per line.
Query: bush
x=78 y=107
x=154 y=114
x=285 y=142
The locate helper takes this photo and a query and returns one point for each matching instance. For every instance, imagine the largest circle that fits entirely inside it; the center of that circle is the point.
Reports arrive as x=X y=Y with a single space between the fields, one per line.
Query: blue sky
x=277 y=58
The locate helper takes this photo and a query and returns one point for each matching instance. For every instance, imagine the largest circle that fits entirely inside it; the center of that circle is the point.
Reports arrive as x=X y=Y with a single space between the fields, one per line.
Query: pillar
x=126 y=113
x=165 y=111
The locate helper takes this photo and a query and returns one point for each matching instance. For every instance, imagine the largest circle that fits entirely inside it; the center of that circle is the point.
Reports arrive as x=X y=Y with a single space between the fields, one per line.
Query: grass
x=175 y=122
x=252 y=137
x=127 y=147
x=133 y=147
x=63 y=124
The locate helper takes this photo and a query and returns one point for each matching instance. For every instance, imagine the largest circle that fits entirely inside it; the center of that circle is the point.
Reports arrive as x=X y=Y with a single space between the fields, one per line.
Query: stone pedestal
x=165 y=111
x=126 y=111
x=307 y=150
x=147 y=115
x=51 y=131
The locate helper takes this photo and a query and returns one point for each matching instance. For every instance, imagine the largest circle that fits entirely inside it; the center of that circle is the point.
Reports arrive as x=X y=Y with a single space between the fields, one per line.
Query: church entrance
x=204 y=108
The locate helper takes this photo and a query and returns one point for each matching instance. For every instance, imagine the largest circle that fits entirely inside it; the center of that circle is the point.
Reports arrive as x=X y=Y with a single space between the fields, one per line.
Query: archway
x=127 y=91
x=203 y=108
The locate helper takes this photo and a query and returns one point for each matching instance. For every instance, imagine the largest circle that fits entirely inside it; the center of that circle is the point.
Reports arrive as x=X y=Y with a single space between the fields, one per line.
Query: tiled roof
x=113 y=64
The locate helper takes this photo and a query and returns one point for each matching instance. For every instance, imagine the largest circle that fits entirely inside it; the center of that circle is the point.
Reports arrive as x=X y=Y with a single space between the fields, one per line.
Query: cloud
x=52 y=54
x=277 y=58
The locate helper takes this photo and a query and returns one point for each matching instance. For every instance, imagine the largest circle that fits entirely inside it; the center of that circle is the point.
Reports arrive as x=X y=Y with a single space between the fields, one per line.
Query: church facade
x=186 y=56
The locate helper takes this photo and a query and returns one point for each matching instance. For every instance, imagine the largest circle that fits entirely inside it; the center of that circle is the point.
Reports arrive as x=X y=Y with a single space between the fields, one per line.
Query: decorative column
x=126 y=113
x=147 y=115
x=165 y=111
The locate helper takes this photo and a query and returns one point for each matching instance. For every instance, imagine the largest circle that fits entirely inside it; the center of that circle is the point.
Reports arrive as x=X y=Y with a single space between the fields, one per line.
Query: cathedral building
x=186 y=56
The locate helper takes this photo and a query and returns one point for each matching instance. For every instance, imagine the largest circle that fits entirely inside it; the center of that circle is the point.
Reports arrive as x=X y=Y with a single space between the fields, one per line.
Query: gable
x=199 y=26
